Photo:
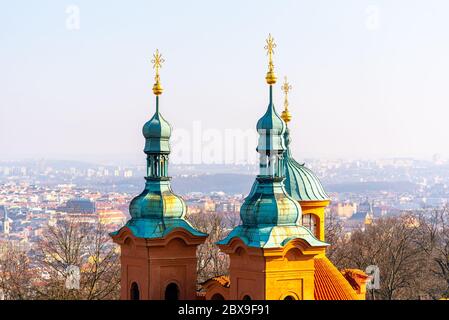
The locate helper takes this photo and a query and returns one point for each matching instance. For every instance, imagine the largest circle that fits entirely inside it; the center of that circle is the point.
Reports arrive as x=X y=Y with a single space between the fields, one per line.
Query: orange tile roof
x=330 y=284
x=224 y=281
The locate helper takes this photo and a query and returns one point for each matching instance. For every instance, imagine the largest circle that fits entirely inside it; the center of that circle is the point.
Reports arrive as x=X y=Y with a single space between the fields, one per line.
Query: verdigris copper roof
x=157 y=132
x=271 y=128
x=270 y=217
x=158 y=228
x=272 y=236
x=300 y=182
x=157 y=201
x=269 y=204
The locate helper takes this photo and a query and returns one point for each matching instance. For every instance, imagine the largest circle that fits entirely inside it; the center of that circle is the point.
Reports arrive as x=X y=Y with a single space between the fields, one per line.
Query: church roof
x=157 y=228
x=272 y=236
x=157 y=201
x=330 y=284
x=223 y=281
x=300 y=182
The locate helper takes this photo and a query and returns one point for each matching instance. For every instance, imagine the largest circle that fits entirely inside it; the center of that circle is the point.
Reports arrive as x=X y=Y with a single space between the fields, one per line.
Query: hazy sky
x=370 y=78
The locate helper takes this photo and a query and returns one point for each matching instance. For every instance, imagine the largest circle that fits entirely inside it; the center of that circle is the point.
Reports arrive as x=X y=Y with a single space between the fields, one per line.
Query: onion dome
x=157 y=132
x=271 y=129
x=269 y=204
x=157 y=201
x=271 y=121
x=156 y=128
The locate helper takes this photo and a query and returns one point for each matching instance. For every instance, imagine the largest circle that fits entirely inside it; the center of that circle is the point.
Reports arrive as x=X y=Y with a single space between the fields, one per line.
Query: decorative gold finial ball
x=286 y=116
x=157 y=88
x=271 y=77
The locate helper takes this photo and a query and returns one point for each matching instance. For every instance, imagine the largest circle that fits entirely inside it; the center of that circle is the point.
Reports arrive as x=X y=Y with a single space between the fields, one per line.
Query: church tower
x=271 y=253
x=158 y=246
x=5 y=224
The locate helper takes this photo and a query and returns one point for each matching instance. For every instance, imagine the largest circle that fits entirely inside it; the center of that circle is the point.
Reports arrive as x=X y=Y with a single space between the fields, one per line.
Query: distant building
x=344 y=209
x=79 y=206
x=111 y=217
x=5 y=220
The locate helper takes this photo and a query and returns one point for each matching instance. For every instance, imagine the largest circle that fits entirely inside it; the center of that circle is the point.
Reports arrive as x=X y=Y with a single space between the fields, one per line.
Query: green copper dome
x=271 y=121
x=156 y=128
x=269 y=204
x=271 y=128
x=300 y=182
x=157 y=201
x=270 y=217
x=157 y=132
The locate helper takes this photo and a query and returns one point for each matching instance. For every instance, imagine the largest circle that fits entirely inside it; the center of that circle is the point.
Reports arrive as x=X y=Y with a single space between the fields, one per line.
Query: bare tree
x=211 y=261
x=390 y=244
x=89 y=249
x=434 y=242
x=16 y=274
x=334 y=236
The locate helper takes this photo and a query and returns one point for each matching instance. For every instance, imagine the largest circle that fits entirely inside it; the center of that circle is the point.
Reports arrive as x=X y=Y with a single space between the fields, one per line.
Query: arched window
x=246 y=297
x=134 y=293
x=217 y=296
x=289 y=298
x=172 y=292
x=309 y=221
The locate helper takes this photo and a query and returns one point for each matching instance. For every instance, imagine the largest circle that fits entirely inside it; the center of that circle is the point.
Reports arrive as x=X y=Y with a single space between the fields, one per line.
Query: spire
x=271 y=127
x=157 y=64
x=157 y=130
x=157 y=210
x=286 y=87
x=270 y=46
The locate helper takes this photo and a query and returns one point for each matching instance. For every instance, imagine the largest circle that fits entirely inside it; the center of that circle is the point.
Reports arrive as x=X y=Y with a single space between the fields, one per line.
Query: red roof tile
x=330 y=284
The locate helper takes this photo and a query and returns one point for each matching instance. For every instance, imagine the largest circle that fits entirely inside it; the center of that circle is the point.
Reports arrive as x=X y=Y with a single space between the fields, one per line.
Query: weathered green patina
x=271 y=128
x=157 y=210
x=157 y=132
x=300 y=182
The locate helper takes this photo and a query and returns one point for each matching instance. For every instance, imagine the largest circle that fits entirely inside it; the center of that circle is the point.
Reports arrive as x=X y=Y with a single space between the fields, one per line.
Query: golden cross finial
x=270 y=46
x=286 y=87
x=157 y=64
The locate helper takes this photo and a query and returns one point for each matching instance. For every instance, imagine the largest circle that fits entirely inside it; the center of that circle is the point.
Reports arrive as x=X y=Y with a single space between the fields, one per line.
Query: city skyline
x=372 y=73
